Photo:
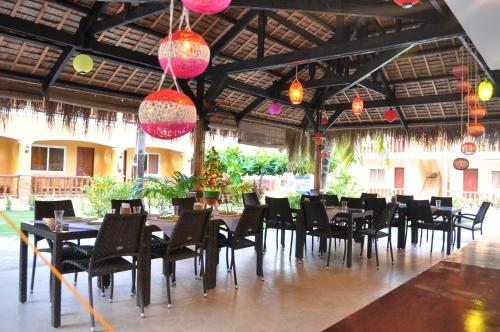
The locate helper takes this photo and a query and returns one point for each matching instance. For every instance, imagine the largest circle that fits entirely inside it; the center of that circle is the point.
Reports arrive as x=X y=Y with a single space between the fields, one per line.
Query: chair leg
x=312 y=244
x=141 y=295
x=173 y=274
x=432 y=240
x=112 y=285
x=277 y=237
x=362 y=245
x=427 y=236
x=442 y=247
x=168 y=285
x=134 y=272
x=421 y=233
x=233 y=263
x=376 y=251
x=202 y=271
x=291 y=244
x=265 y=238
x=390 y=247
x=33 y=269
x=75 y=278
x=195 y=267
x=227 y=260
x=91 y=302
x=329 y=249
x=345 y=250
x=472 y=235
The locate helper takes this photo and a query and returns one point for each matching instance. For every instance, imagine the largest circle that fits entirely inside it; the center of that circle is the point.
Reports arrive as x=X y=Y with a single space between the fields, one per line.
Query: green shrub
x=98 y=195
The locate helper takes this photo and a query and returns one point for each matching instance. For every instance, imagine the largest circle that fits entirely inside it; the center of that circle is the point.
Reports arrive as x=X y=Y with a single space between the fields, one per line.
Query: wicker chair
x=250 y=224
x=184 y=204
x=477 y=219
x=318 y=224
x=250 y=199
x=420 y=215
x=45 y=209
x=381 y=221
x=116 y=204
x=376 y=205
x=404 y=198
x=331 y=200
x=368 y=195
x=119 y=236
x=279 y=216
x=311 y=198
x=190 y=230
x=353 y=203
x=445 y=201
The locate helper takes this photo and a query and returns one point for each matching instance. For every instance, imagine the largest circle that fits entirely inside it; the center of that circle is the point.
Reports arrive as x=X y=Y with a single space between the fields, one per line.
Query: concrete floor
x=292 y=297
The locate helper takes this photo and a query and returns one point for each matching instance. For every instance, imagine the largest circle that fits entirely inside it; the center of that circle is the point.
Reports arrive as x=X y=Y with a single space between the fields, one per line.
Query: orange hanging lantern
x=477 y=112
x=476 y=129
x=460 y=70
x=468 y=148
x=406 y=4
x=296 y=92
x=471 y=99
x=357 y=105
x=391 y=115
x=460 y=164
x=463 y=86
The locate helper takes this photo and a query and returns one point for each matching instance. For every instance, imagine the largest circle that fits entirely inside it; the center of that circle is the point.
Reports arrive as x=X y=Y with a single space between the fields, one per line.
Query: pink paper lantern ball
x=274 y=109
x=208 y=7
x=167 y=114
x=189 y=54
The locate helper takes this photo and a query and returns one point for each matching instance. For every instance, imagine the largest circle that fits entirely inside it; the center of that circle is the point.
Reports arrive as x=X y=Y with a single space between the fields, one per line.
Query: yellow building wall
x=9 y=151
x=104 y=157
x=170 y=161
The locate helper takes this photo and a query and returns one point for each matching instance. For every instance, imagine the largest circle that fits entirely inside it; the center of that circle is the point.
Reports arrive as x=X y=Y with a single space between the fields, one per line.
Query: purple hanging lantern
x=274 y=109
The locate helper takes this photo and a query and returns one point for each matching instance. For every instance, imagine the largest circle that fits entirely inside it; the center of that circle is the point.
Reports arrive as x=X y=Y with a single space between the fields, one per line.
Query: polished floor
x=292 y=297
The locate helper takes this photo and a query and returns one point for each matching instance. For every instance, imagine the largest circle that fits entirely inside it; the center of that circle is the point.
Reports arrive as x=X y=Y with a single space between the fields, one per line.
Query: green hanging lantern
x=485 y=90
x=83 y=64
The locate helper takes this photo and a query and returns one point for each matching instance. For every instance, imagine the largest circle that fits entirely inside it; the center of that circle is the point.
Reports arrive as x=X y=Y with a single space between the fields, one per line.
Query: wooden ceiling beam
x=295 y=28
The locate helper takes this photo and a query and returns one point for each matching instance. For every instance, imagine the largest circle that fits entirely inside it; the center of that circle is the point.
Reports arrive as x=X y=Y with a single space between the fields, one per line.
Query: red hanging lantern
x=296 y=92
x=471 y=99
x=463 y=86
x=460 y=164
x=324 y=120
x=406 y=3
x=189 y=54
x=460 y=70
x=476 y=129
x=167 y=114
x=477 y=112
x=468 y=148
x=357 y=105
x=319 y=134
x=324 y=155
x=208 y=7
x=391 y=115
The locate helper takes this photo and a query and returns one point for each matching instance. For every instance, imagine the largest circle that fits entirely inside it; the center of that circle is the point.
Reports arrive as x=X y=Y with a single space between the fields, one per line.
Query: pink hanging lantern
x=468 y=148
x=274 y=109
x=460 y=70
x=167 y=114
x=460 y=164
x=208 y=7
x=463 y=86
x=190 y=54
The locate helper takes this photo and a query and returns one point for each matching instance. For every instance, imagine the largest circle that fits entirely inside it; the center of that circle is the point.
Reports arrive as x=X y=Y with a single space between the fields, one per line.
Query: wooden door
x=84 y=161
x=399 y=177
x=470 y=180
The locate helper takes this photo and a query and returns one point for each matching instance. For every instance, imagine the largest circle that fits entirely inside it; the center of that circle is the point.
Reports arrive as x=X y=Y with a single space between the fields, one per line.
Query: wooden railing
x=58 y=185
x=9 y=185
x=386 y=192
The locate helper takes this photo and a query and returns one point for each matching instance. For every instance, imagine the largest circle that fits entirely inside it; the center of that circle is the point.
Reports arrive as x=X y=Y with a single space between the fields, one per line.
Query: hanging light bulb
x=485 y=90
x=296 y=91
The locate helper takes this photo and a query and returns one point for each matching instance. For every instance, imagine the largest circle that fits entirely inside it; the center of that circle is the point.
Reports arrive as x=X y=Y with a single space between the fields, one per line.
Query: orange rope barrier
x=58 y=274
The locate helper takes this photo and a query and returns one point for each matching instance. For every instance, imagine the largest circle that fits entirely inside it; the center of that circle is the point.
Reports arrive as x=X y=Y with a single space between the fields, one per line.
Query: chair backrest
x=377 y=205
x=481 y=213
x=419 y=210
x=45 y=209
x=445 y=201
x=251 y=220
x=404 y=198
x=353 y=203
x=184 y=204
x=119 y=235
x=315 y=215
x=384 y=219
x=331 y=200
x=278 y=209
x=368 y=195
x=311 y=198
x=117 y=204
x=250 y=199
x=190 y=229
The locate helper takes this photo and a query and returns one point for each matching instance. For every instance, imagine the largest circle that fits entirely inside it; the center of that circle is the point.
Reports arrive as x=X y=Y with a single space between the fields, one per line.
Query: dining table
x=447 y=212
x=350 y=215
x=88 y=228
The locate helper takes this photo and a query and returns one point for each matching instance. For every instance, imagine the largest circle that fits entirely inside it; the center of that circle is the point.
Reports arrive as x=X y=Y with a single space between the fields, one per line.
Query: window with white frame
x=495 y=179
x=377 y=177
x=152 y=163
x=48 y=158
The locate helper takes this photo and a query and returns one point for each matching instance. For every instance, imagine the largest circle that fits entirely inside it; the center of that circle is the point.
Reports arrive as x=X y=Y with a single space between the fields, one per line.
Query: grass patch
x=17 y=217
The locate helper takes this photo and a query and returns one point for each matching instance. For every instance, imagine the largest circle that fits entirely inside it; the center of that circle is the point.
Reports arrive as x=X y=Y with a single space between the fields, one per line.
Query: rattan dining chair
x=352 y=202
x=45 y=209
x=331 y=200
x=420 y=215
x=250 y=199
x=474 y=222
x=119 y=236
x=279 y=216
x=189 y=231
x=368 y=195
x=250 y=224
x=184 y=204
x=116 y=204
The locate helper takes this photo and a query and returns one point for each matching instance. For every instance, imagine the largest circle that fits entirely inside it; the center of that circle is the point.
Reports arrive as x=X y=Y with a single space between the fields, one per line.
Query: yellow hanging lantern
x=485 y=90
x=83 y=64
x=296 y=91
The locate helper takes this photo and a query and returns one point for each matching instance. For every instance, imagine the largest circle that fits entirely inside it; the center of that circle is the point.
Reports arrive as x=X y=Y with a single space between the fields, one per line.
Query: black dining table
x=447 y=212
x=81 y=230
x=351 y=215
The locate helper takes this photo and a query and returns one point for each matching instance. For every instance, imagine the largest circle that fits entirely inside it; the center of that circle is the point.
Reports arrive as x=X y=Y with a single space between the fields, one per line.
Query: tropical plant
x=237 y=190
x=100 y=192
x=265 y=164
x=294 y=199
x=302 y=164
x=232 y=162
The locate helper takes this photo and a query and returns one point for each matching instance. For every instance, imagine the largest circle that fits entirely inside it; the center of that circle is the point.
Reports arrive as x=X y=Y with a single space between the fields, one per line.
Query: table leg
x=212 y=253
x=258 y=248
x=459 y=236
x=349 y=243
x=299 y=241
x=369 y=247
x=144 y=271
x=401 y=230
x=450 y=233
x=55 y=291
x=23 y=270
x=414 y=234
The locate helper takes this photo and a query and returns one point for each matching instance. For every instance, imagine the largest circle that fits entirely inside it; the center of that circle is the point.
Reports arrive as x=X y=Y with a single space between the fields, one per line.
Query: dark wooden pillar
x=140 y=147
x=317 y=157
x=199 y=149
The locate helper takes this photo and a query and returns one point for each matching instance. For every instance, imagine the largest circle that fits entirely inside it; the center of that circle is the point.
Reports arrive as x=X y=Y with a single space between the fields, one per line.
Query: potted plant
x=212 y=179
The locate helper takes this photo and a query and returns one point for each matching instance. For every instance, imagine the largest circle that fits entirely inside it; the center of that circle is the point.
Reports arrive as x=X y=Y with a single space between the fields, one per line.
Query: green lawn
x=17 y=217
